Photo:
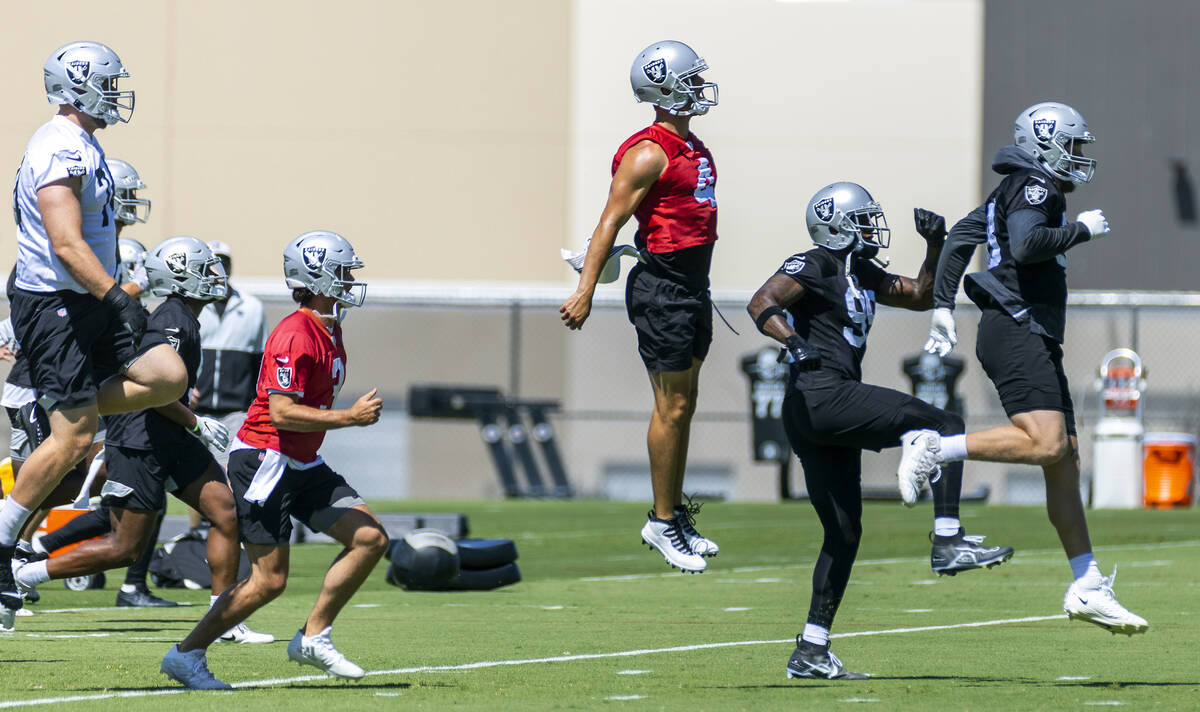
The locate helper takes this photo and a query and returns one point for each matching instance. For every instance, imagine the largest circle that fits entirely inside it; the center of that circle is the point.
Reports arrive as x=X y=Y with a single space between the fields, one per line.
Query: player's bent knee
x=373 y=539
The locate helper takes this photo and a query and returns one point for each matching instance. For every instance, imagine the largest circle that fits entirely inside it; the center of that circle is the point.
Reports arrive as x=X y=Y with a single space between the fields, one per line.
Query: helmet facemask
x=1061 y=159
x=130 y=209
x=871 y=227
x=341 y=287
x=104 y=102
x=692 y=98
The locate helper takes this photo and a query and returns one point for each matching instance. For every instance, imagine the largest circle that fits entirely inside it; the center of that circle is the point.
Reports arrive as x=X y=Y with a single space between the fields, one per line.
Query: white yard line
x=525 y=661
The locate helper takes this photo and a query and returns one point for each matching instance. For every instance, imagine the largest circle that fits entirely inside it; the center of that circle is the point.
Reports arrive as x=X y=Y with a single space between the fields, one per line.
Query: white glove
x=139 y=277
x=1095 y=222
x=942 y=336
x=211 y=432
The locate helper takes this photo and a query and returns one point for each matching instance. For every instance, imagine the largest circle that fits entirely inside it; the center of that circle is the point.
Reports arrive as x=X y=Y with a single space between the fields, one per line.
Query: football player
x=1022 y=298
x=277 y=473
x=165 y=448
x=79 y=330
x=665 y=176
x=820 y=305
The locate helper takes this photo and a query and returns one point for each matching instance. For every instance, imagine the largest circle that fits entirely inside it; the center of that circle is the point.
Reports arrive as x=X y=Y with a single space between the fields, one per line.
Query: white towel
x=268 y=474
x=612 y=268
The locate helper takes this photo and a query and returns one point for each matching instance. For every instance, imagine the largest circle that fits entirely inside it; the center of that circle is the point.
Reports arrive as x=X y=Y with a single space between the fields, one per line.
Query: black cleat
x=962 y=552
x=10 y=596
x=816 y=662
x=142 y=598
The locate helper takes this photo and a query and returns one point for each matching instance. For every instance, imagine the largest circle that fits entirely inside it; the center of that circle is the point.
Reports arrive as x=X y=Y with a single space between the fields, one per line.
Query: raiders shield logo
x=176 y=262
x=1035 y=194
x=794 y=265
x=314 y=257
x=283 y=376
x=824 y=209
x=1043 y=129
x=656 y=71
x=78 y=70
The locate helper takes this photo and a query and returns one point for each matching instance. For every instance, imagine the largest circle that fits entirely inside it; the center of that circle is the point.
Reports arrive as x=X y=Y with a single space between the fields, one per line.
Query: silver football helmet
x=128 y=207
x=663 y=75
x=84 y=75
x=320 y=261
x=185 y=266
x=844 y=214
x=1050 y=132
x=130 y=254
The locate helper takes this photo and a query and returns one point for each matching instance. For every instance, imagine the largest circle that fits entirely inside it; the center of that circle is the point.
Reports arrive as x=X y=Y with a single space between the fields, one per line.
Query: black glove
x=804 y=355
x=130 y=314
x=930 y=225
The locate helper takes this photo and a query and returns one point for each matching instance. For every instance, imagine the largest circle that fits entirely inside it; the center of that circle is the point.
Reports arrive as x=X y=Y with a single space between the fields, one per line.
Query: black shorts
x=72 y=342
x=317 y=496
x=140 y=479
x=824 y=409
x=673 y=322
x=1025 y=367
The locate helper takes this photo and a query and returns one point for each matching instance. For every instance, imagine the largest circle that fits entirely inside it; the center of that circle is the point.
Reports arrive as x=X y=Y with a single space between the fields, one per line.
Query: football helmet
x=84 y=75
x=319 y=261
x=844 y=214
x=185 y=266
x=130 y=254
x=1049 y=132
x=125 y=201
x=662 y=75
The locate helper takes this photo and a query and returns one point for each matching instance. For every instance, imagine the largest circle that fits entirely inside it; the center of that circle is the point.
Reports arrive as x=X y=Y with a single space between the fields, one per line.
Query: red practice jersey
x=681 y=208
x=303 y=359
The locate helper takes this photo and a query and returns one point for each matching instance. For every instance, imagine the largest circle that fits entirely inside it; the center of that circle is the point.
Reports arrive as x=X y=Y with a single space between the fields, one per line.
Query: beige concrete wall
x=432 y=134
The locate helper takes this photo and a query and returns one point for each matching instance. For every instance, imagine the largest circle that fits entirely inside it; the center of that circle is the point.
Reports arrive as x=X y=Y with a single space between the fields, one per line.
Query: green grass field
x=595 y=620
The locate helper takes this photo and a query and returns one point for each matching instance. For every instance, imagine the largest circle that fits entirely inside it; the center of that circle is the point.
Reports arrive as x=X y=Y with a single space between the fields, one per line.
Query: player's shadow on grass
x=1121 y=684
x=345 y=684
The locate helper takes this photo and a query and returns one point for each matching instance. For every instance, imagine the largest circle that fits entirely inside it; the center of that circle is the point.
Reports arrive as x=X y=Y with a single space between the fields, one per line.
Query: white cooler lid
x=1163 y=438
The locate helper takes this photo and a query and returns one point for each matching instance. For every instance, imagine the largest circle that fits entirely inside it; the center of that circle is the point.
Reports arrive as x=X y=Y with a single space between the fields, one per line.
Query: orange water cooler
x=1169 y=470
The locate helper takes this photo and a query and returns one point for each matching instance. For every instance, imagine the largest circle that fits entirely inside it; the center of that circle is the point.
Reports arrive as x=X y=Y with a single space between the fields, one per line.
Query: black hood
x=1011 y=159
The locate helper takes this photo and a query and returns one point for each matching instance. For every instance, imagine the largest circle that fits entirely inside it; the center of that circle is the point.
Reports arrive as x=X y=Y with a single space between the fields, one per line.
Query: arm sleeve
x=960 y=245
x=1030 y=240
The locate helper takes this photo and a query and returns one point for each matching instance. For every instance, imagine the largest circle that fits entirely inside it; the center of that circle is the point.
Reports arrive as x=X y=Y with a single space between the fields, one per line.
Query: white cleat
x=919 y=463
x=1092 y=600
x=190 y=669
x=318 y=651
x=668 y=538
x=8 y=619
x=685 y=515
x=241 y=634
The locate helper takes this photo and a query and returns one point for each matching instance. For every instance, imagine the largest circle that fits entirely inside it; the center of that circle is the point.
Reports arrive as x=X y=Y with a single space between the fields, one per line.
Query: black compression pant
x=829 y=421
x=98 y=522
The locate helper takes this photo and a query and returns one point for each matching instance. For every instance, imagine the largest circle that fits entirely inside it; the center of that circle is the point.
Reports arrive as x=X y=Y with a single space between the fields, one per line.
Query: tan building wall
x=432 y=134
x=469 y=141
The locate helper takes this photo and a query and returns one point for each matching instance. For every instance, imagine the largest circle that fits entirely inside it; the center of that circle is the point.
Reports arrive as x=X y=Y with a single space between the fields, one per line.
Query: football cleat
x=962 y=552
x=685 y=515
x=22 y=556
x=11 y=599
x=666 y=536
x=817 y=662
x=318 y=651
x=142 y=598
x=190 y=669
x=918 y=463
x=241 y=634
x=1092 y=600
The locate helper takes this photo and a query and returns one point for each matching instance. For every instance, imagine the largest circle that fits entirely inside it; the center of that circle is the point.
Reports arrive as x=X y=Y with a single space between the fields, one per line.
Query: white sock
x=212 y=600
x=815 y=634
x=946 y=526
x=25 y=544
x=1085 y=566
x=954 y=447
x=12 y=518
x=128 y=588
x=37 y=546
x=34 y=574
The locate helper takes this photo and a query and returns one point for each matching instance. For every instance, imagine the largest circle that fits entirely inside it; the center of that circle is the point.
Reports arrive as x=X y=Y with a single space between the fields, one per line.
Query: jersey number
x=339 y=376
x=704 y=192
x=860 y=307
x=109 y=193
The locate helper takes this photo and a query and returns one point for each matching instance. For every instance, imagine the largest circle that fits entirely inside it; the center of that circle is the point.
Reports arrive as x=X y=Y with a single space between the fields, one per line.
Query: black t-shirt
x=1040 y=287
x=837 y=309
x=171 y=323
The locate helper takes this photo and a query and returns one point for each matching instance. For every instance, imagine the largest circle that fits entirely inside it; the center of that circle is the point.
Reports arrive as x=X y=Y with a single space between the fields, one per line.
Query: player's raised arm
x=640 y=168
x=916 y=293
